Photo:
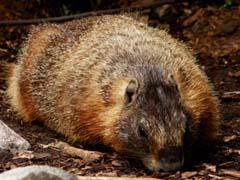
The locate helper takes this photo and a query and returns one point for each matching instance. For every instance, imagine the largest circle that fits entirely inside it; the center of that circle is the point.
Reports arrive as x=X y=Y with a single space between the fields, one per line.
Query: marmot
x=116 y=81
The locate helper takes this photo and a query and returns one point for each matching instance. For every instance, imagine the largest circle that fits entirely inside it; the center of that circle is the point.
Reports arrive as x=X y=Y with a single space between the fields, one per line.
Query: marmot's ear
x=131 y=90
x=172 y=81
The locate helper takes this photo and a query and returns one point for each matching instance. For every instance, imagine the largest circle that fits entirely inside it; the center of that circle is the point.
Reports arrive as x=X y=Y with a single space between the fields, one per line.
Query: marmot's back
x=108 y=79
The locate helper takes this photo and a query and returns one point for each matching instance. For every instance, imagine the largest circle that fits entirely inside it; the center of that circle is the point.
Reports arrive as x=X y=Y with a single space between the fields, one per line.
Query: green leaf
x=228 y=2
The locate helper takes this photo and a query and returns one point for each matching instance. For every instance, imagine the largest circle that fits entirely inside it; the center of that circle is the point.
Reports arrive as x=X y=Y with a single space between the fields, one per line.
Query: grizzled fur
x=115 y=81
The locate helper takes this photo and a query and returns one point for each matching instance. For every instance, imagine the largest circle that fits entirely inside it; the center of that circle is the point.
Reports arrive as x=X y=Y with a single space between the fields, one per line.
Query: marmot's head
x=153 y=121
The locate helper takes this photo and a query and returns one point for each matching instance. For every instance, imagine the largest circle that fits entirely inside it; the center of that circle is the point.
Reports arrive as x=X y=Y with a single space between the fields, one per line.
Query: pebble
x=10 y=140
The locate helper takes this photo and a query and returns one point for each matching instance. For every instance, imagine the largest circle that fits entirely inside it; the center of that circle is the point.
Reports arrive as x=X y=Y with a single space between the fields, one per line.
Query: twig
x=193 y=18
x=96 y=13
x=89 y=156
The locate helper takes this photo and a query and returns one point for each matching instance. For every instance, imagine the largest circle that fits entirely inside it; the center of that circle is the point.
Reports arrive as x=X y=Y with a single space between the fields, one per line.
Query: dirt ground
x=214 y=35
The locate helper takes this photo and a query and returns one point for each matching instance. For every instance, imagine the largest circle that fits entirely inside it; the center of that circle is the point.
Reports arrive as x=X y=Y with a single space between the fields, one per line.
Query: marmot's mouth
x=154 y=164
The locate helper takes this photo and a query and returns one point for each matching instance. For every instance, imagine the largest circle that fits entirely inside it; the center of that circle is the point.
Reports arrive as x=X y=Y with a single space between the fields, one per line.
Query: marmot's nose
x=171 y=156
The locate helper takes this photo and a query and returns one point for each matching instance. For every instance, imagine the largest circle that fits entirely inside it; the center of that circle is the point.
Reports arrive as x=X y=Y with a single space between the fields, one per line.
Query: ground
x=212 y=32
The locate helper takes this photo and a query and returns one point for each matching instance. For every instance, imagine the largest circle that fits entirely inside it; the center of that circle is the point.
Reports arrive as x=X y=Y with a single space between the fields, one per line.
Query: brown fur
x=73 y=77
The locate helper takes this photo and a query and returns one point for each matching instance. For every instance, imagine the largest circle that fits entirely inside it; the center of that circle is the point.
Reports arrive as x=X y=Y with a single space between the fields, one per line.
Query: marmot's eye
x=130 y=91
x=142 y=132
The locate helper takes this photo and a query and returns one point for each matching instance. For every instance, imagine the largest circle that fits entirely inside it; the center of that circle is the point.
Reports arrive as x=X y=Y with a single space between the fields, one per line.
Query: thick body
x=73 y=78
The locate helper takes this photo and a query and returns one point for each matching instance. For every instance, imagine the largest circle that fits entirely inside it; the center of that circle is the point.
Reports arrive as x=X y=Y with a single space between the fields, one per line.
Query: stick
x=89 y=156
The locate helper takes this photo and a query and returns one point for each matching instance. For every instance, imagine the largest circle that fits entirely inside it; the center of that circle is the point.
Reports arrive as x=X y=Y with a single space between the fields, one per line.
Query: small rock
x=37 y=173
x=10 y=140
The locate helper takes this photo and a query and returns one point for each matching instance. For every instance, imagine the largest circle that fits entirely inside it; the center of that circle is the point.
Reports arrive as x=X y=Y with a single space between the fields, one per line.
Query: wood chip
x=214 y=176
x=116 y=163
x=232 y=173
x=229 y=138
x=112 y=178
x=231 y=95
x=23 y=154
x=45 y=146
x=231 y=151
x=107 y=174
x=226 y=163
x=228 y=178
x=209 y=167
x=187 y=174
x=198 y=178
x=236 y=74
x=194 y=17
x=41 y=155
x=227 y=27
